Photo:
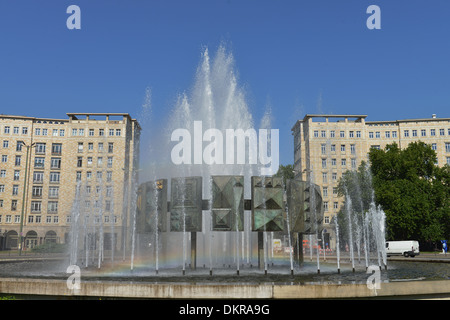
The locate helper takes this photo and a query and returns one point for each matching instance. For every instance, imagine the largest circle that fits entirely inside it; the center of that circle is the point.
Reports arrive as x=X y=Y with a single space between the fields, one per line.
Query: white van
x=408 y=248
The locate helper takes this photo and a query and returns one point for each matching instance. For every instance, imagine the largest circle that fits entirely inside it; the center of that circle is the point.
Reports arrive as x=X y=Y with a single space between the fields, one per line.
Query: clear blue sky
x=302 y=57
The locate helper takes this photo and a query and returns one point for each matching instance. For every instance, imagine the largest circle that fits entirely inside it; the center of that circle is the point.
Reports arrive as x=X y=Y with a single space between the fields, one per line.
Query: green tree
x=285 y=172
x=412 y=190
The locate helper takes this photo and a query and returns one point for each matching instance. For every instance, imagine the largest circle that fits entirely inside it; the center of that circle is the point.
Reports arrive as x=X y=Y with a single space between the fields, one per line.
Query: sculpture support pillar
x=193 y=250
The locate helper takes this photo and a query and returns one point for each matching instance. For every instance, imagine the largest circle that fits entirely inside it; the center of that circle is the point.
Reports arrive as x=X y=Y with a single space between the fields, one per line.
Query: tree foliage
x=413 y=191
x=285 y=172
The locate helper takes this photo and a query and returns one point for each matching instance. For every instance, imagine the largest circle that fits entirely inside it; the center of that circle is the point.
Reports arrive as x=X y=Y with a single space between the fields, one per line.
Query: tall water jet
x=348 y=210
x=338 y=249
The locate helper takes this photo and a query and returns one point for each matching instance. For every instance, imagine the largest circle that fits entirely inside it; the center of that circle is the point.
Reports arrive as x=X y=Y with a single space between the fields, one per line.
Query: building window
x=56 y=149
x=353 y=163
x=100 y=147
x=394 y=134
x=342 y=147
x=16 y=175
x=111 y=132
x=324 y=163
x=6 y=130
x=350 y=134
x=441 y=132
x=37 y=192
x=324 y=177
x=78 y=176
x=448 y=160
x=110 y=162
x=325 y=191
x=352 y=149
x=387 y=134
x=342 y=134
x=52 y=207
x=323 y=148
x=370 y=135
x=332 y=134
x=4 y=158
x=358 y=134
x=53 y=192
x=56 y=163
x=101 y=132
x=5 y=143
x=79 y=162
x=377 y=134
x=39 y=162
x=323 y=134
x=423 y=132
x=15 y=190
x=54 y=177
x=40 y=148
x=110 y=147
x=19 y=146
x=16 y=130
x=118 y=132
x=414 y=133
x=108 y=176
x=343 y=162
x=335 y=205
x=100 y=161
x=13 y=205
x=80 y=146
x=334 y=176
x=36 y=206
x=2 y=188
x=333 y=148
x=62 y=132
x=81 y=132
x=2 y=173
x=433 y=132
x=325 y=206
x=18 y=160
x=38 y=177
x=406 y=133
x=74 y=132
x=447 y=147
x=333 y=162
x=316 y=133
x=91 y=132
x=434 y=146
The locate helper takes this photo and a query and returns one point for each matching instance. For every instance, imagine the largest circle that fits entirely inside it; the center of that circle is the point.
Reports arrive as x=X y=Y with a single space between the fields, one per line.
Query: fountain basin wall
x=220 y=291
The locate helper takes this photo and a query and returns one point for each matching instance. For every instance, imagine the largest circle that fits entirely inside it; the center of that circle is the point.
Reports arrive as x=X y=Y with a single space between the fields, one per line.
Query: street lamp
x=25 y=185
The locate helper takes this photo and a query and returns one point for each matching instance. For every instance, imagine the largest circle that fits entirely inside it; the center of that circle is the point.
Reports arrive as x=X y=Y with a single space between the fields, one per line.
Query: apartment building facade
x=325 y=146
x=44 y=164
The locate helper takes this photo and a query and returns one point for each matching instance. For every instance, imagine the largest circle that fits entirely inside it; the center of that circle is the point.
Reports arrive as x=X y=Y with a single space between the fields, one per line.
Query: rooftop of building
x=358 y=118
x=74 y=116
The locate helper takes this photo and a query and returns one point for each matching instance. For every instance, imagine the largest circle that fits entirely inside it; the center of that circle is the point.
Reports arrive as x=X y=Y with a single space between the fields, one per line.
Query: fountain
x=206 y=218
